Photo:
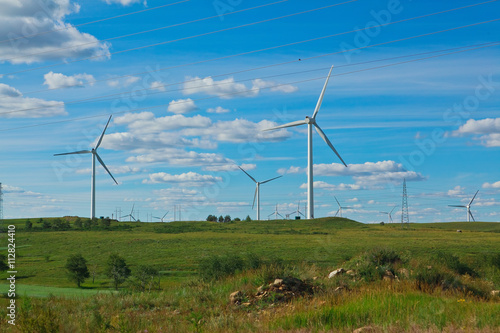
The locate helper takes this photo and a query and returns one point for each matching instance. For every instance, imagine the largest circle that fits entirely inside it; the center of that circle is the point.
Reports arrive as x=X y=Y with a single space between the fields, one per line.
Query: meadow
x=447 y=285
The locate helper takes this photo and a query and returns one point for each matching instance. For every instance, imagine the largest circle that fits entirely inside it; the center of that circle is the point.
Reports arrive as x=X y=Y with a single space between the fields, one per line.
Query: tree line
x=226 y=219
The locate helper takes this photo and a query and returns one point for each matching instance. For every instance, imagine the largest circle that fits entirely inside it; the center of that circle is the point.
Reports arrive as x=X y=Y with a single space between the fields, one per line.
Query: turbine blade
x=320 y=100
x=132 y=211
x=102 y=135
x=280 y=215
x=292 y=124
x=473 y=197
x=338 y=210
x=105 y=167
x=75 y=152
x=323 y=135
x=470 y=213
x=457 y=206
x=267 y=181
x=383 y=212
x=254 y=196
x=338 y=203
x=392 y=209
x=247 y=174
x=165 y=215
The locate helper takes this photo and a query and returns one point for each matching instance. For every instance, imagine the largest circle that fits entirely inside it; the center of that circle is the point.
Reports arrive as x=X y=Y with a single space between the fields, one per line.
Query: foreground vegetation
x=427 y=278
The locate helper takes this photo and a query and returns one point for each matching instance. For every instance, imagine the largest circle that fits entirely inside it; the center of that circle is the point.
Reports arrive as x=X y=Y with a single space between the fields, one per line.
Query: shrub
x=77 y=269
x=453 y=262
x=218 y=267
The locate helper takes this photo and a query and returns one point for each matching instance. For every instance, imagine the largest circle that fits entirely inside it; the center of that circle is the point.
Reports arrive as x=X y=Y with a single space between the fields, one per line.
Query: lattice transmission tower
x=405 y=216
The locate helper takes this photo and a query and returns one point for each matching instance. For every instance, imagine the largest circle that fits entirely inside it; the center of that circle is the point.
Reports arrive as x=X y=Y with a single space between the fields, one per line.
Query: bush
x=453 y=262
x=218 y=267
x=77 y=269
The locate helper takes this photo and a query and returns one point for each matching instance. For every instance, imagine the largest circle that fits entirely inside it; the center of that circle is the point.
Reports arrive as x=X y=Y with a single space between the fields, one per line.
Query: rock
x=277 y=283
x=336 y=272
x=388 y=276
x=236 y=297
x=495 y=293
x=459 y=230
x=365 y=329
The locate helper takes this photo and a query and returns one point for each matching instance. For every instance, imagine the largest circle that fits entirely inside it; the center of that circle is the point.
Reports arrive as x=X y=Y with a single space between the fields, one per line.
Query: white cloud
x=332 y=187
x=20 y=21
x=456 y=191
x=188 y=179
x=291 y=170
x=124 y=2
x=14 y=105
x=157 y=85
x=182 y=106
x=58 y=80
x=495 y=185
x=486 y=130
x=123 y=82
x=114 y=170
x=218 y=109
x=229 y=167
x=228 y=88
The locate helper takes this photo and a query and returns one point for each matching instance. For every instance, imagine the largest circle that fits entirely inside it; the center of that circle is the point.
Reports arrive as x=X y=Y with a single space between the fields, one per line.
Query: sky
x=191 y=85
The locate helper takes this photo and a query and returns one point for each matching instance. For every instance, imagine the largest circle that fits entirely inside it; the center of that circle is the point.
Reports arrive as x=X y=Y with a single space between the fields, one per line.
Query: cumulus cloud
x=21 y=21
x=157 y=85
x=228 y=88
x=495 y=185
x=218 y=109
x=456 y=191
x=15 y=105
x=181 y=106
x=332 y=187
x=58 y=80
x=125 y=2
x=188 y=179
x=487 y=131
x=123 y=82
x=114 y=170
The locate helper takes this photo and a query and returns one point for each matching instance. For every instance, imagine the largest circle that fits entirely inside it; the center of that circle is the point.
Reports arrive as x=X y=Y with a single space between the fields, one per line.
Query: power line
x=271 y=48
x=181 y=39
x=111 y=96
x=145 y=31
x=91 y=22
x=236 y=93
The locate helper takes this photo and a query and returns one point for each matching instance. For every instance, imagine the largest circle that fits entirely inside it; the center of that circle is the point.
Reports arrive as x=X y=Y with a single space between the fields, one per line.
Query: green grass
x=44 y=291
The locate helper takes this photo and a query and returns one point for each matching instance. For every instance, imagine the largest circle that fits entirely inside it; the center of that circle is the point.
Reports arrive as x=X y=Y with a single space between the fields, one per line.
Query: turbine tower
x=94 y=156
x=340 y=208
x=469 y=213
x=389 y=215
x=310 y=122
x=257 y=190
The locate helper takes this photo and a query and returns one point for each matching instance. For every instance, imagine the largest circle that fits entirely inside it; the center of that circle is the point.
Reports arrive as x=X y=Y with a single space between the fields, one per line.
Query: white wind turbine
x=130 y=216
x=310 y=122
x=297 y=212
x=275 y=214
x=94 y=156
x=161 y=218
x=469 y=213
x=257 y=190
x=389 y=214
x=339 y=211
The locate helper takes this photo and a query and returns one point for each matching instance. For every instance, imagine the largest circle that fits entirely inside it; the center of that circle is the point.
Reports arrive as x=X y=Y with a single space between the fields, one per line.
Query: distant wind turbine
x=469 y=213
x=310 y=122
x=256 y=196
x=130 y=216
x=297 y=212
x=276 y=214
x=339 y=211
x=389 y=215
x=161 y=218
x=94 y=156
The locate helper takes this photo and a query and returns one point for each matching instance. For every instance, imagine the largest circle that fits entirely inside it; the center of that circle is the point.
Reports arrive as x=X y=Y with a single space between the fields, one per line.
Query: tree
x=212 y=218
x=46 y=224
x=237 y=219
x=28 y=225
x=227 y=219
x=248 y=219
x=105 y=223
x=3 y=263
x=78 y=223
x=221 y=219
x=76 y=265
x=117 y=269
x=145 y=276
x=87 y=224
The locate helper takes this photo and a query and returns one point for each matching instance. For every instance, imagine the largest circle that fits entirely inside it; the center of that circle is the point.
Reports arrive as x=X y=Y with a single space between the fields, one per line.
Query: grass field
x=306 y=248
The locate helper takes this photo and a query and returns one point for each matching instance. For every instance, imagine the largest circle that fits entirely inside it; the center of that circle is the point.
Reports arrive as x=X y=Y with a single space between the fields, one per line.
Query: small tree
x=117 y=269
x=87 y=224
x=28 y=225
x=46 y=224
x=212 y=218
x=76 y=265
x=3 y=263
x=221 y=219
x=237 y=219
x=248 y=219
x=78 y=223
x=145 y=276
x=227 y=219
x=105 y=223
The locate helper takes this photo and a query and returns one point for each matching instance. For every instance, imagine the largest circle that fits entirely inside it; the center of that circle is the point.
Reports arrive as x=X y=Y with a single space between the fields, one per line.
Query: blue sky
x=416 y=98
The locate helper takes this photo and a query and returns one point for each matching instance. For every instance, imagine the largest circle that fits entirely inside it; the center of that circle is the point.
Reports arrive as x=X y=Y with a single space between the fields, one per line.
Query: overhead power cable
x=112 y=96
x=180 y=39
x=264 y=49
x=241 y=92
x=143 y=32
x=91 y=22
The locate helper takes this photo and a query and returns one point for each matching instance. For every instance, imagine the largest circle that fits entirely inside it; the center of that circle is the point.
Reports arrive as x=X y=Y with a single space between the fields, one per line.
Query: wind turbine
x=297 y=212
x=131 y=216
x=257 y=190
x=389 y=216
x=94 y=155
x=340 y=208
x=161 y=218
x=310 y=122
x=469 y=213
x=275 y=214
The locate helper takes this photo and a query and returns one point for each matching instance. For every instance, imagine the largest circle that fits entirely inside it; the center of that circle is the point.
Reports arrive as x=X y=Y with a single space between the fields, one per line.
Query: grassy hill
x=304 y=249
